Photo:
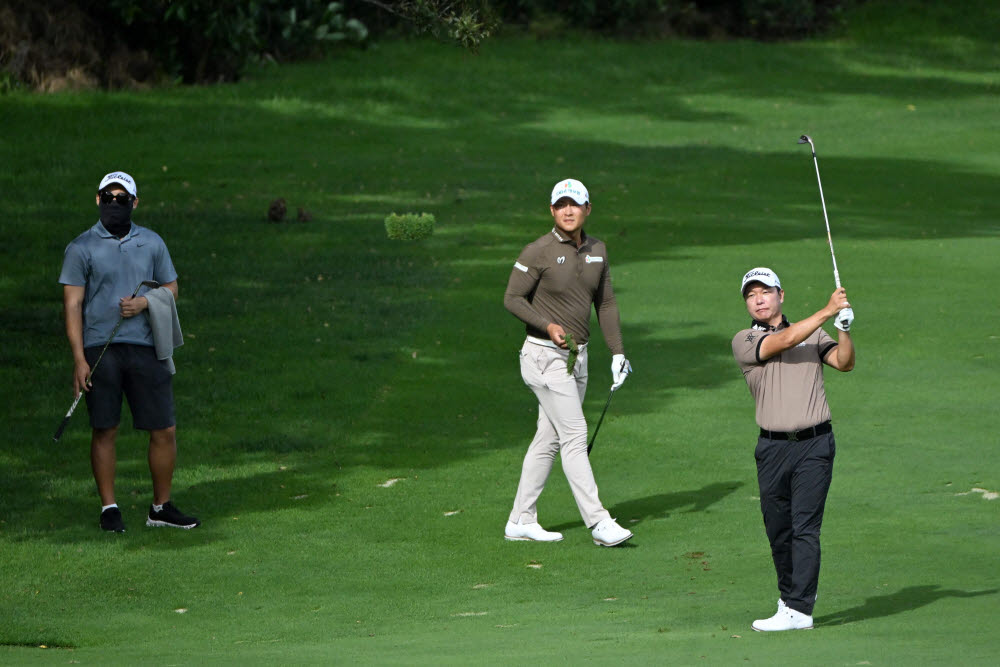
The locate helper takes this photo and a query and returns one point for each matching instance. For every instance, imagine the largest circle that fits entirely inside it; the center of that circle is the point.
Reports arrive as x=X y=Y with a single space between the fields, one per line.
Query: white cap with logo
x=762 y=275
x=571 y=188
x=122 y=179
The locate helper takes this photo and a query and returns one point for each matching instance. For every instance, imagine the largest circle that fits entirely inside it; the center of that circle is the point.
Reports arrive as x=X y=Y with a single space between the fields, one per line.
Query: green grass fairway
x=323 y=361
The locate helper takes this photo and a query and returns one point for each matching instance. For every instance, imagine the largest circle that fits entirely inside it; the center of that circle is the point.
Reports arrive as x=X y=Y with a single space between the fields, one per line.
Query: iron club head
x=152 y=284
x=804 y=139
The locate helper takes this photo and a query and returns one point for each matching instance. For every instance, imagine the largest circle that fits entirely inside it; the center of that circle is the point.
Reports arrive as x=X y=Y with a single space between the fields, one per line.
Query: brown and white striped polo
x=788 y=387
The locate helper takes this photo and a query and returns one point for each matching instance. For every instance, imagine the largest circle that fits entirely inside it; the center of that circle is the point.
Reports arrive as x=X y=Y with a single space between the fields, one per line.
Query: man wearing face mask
x=100 y=271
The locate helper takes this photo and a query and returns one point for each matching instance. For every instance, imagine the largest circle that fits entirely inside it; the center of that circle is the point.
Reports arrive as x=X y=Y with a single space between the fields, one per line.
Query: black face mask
x=117 y=219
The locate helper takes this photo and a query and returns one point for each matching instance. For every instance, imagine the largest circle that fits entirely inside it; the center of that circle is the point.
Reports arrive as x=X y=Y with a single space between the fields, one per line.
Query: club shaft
x=599 y=421
x=822 y=200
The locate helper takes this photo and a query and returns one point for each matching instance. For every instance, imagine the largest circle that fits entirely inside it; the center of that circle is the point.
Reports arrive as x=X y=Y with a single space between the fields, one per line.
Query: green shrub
x=409 y=226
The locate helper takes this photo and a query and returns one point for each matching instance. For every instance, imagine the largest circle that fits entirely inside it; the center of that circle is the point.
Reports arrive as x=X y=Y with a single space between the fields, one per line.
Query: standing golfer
x=101 y=269
x=783 y=366
x=551 y=288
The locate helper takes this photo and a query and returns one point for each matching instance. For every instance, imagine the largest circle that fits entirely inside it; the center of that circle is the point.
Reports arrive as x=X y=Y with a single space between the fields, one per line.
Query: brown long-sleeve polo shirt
x=553 y=281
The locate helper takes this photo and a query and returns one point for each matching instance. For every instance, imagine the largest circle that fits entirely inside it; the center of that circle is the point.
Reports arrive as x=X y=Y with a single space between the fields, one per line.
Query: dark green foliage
x=776 y=19
x=210 y=40
x=53 y=44
x=409 y=226
x=466 y=22
x=760 y=19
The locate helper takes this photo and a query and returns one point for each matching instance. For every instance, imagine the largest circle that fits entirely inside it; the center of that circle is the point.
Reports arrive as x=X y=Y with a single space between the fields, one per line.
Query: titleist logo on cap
x=760 y=274
x=121 y=178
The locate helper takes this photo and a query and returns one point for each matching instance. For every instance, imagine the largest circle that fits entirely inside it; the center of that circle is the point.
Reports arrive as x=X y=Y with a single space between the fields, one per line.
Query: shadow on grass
x=661 y=505
x=906 y=599
x=67 y=516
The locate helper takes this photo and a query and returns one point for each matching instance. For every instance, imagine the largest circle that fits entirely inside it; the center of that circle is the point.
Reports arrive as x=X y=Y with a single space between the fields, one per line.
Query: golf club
x=148 y=283
x=597 y=428
x=805 y=139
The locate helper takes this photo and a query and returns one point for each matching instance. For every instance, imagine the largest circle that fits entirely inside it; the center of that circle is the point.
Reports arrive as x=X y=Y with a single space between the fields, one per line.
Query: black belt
x=804 y=434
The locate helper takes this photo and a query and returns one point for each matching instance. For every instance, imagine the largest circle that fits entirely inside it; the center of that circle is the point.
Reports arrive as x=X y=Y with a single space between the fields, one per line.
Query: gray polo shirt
x=554 y=281
x=788 y=387
x=110 y=268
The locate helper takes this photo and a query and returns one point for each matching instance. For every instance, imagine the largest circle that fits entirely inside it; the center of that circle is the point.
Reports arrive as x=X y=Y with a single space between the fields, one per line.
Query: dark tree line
x=51 y=44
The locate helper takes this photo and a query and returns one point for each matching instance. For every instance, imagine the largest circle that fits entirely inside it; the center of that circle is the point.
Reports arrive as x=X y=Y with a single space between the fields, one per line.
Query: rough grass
x=322 y=359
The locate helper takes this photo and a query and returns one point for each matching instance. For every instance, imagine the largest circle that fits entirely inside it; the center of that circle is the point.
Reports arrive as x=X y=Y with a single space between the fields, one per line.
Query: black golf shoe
x=170 y=516
x=111 y=520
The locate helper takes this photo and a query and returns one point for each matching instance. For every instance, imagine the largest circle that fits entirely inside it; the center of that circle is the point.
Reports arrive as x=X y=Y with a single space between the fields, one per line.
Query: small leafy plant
x=574 y=351
x=409 y=226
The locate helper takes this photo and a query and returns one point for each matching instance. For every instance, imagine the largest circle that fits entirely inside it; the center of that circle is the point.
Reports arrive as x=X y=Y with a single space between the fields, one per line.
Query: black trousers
x=794 y=478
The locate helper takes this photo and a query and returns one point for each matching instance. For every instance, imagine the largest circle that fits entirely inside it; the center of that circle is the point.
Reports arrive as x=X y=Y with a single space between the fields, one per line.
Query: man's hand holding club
x=839 y=304
x=620 y=369
x=844 y=319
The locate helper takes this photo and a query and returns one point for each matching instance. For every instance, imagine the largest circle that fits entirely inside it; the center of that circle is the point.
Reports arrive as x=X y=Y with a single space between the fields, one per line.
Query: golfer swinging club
x=782 y=363
x=551 y=288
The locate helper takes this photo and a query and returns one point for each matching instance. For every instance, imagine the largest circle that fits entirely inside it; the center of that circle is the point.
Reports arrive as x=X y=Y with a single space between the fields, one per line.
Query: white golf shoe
x=608 y=533
x=529 y=531
x=786 y=619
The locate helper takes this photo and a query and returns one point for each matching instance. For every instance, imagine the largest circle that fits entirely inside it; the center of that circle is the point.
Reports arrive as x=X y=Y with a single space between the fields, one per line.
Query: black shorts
x=145 y=380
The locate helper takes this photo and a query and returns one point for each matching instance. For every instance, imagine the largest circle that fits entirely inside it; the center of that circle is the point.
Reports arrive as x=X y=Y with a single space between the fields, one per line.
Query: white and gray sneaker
x=786 y=619
x=529 y=531
x=608 y=533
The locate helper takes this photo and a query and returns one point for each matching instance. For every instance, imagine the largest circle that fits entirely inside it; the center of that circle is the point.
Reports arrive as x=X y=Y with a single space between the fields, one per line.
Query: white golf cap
x=762 y=275
x=122 y=179
x=571 y=188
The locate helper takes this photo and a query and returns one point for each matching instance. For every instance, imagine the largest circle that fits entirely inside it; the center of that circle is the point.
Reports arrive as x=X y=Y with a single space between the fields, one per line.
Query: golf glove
x=844 y=319
x=620 y=368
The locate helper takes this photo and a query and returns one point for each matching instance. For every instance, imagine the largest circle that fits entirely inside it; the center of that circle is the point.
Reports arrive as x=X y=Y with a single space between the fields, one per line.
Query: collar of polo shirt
x=757 y=325
x=566 y=239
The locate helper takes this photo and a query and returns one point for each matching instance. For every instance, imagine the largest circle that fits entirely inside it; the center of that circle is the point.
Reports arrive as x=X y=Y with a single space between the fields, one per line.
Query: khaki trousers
x=561 y=429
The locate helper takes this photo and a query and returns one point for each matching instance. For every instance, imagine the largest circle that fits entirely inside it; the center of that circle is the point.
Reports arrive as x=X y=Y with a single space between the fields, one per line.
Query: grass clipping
x=409 y=226
x=574 y=351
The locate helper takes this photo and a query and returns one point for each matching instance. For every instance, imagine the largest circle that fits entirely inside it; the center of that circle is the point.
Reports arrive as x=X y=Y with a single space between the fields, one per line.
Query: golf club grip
x=62 y=427
x=65 y=421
